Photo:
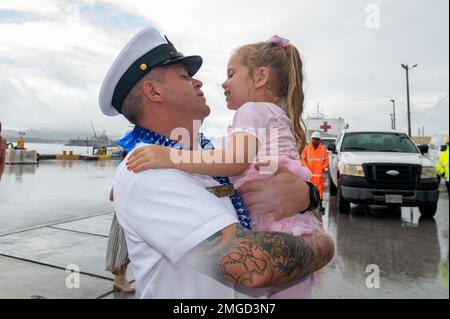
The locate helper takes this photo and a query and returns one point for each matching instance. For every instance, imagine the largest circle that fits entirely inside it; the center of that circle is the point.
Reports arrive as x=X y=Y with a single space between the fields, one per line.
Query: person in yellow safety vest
x=315 y=157
x=442 y=165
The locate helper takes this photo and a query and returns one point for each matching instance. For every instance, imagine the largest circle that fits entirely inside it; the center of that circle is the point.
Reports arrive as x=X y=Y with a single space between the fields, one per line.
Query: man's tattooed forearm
x=243 y=266
x=253 y=259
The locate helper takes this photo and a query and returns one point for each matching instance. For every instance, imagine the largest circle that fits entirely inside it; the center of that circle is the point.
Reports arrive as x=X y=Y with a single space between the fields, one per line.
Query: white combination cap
x=146 y=50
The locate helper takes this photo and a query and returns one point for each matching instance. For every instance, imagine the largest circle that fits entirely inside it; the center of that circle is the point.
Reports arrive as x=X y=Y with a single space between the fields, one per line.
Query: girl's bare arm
x=228 y=162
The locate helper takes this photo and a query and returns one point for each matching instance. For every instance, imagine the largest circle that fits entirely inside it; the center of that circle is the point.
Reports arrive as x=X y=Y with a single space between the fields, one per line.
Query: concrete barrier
x=21 y=157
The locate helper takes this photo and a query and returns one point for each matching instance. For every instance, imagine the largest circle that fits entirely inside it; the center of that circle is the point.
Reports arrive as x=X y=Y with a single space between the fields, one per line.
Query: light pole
x=392 y=121
x=394 y=125
x=407 y=68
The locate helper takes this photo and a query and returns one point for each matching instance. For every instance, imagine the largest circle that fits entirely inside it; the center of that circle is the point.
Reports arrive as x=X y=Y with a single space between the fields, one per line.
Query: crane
x=95 y=135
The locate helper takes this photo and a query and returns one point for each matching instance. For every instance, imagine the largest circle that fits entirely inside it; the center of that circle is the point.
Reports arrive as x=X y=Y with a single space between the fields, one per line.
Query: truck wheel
x=333 y=188
x=343 y=204
x=428 y=210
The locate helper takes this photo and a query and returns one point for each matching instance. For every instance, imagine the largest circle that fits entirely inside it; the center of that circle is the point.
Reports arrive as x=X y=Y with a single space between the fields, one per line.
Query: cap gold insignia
x=143 y=66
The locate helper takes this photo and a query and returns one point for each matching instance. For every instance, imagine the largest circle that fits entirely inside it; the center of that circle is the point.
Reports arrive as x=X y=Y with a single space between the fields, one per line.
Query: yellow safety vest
x=442 y=164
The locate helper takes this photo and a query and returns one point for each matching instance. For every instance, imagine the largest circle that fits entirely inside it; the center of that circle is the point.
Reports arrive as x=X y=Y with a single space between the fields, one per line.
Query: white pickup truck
x=382 y=168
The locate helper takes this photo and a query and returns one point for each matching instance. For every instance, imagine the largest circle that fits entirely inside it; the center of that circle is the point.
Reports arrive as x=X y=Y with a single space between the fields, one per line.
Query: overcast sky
x=54 y=55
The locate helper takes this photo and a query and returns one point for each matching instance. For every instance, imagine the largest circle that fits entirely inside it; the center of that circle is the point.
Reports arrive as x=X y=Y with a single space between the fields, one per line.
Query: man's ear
x=152 y=90
x=261 y=77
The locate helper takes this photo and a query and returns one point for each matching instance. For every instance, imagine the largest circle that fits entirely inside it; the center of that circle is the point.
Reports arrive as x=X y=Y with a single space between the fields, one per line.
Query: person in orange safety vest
x=315 y=157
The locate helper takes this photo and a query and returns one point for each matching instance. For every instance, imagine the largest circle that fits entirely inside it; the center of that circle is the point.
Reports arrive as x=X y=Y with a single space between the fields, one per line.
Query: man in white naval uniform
x=183 y=240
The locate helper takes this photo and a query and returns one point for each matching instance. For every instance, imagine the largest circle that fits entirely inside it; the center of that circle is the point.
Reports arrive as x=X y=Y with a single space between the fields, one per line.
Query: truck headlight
x=354 y=170
x=428 y=172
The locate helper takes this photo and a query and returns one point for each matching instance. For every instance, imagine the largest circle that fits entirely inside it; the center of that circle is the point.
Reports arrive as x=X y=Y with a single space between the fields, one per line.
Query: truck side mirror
x=443 y=148
x=424 y=149
x=332 y=148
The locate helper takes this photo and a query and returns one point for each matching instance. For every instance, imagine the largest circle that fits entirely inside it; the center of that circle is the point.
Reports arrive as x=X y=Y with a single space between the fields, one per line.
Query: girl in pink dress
x=264 y=87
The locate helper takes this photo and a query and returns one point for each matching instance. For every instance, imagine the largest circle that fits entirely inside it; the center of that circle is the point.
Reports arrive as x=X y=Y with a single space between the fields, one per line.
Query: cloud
x=52 y=69
x=47 y=7
x=54 y=54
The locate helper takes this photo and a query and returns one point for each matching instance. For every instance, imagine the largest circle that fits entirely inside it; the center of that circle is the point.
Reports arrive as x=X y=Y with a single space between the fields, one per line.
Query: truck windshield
x=378 y=142
x=327 y=141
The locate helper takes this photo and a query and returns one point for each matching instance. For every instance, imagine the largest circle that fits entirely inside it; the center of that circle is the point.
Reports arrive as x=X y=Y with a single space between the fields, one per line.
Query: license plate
x=394 y=199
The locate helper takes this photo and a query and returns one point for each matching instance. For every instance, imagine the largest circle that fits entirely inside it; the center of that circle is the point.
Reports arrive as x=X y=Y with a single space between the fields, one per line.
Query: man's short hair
x=133 y=105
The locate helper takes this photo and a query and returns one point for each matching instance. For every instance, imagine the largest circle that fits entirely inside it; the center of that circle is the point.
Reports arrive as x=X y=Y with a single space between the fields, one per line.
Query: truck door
x=334 y=161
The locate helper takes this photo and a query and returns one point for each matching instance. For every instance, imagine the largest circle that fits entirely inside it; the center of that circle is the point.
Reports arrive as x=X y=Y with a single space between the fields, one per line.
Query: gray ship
x=94 y=141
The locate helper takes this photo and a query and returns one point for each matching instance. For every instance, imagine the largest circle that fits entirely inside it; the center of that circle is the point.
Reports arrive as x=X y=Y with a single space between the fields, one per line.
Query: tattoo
x=261 y=259
x=213 y=241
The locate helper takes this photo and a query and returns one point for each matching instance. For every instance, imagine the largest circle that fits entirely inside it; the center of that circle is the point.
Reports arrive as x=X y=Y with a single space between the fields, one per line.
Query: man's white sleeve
x=173 y=212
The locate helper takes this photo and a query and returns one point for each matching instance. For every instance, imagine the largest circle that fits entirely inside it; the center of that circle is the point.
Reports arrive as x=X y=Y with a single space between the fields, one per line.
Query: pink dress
x=273 y=129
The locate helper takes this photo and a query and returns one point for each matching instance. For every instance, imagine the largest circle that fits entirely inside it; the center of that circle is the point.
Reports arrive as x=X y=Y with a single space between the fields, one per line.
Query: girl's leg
x=300 y=290
x=120 y=282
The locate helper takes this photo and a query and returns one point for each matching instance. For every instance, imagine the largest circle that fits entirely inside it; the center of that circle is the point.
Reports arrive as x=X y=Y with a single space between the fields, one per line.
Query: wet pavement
x=410 y=253
x=57 y=214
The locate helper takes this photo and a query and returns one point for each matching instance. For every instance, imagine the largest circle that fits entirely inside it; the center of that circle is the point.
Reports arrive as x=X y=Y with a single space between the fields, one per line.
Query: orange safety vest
x=317 y=162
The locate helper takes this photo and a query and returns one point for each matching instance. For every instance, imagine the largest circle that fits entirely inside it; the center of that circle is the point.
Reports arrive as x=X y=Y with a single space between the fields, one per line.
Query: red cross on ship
x=325 y=127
